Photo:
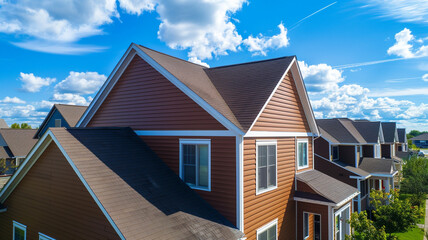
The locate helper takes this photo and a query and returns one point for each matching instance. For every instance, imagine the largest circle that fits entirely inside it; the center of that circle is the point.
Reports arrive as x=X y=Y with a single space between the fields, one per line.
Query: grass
x=413 y=234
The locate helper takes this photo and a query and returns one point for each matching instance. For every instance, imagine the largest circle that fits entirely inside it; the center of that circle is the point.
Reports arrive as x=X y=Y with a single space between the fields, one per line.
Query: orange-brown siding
x=145 y=100
x=52 y=200
x=223 y=169
x=284 y=112
x=314 y=209
x=278 y=203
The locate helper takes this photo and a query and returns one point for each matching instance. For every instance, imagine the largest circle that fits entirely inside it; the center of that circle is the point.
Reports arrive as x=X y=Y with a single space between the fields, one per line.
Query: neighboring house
x=15 y=145
x=390 y=136
x=3 y=123
x=349 y=150
x=241 y=136
x=420 y=141
x=61 y=115
x=402 y=141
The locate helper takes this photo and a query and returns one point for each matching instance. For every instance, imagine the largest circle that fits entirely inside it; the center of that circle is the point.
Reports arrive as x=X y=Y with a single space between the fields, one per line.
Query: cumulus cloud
x=405 y=11
x=261 y=44
x=81 y=83
x=12 y=100
x=320 y=77
x=70 y=98
x=404 y=45
x=31 y=83
x=137 y=6
x=425 y=77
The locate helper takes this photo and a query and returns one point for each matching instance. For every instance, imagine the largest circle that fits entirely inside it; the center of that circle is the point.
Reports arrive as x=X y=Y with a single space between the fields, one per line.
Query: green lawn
x=413 y=234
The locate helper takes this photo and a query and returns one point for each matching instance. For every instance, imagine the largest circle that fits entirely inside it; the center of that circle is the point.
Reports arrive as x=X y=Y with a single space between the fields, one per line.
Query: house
x=401 y=146
x=349 y=151
x=239 y=136
x=15 y=145
x=390 y=136
x=61 y=115
x=420 y=141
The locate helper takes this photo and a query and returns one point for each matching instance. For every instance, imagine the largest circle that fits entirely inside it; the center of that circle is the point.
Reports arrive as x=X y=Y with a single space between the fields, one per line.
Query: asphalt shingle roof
x=19 y=141
x=401 y=135
x=144 y=197
x=71 y=113
x=423 y=136
x=389 y=131
x=377 y=165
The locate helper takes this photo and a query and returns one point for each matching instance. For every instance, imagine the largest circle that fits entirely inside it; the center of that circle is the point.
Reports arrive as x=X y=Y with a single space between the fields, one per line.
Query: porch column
x=374 y=150
x=386 y=184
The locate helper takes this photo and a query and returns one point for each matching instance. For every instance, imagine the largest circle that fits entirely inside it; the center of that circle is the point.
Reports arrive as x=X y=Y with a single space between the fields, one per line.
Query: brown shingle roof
x=334 y=131
x=389 y=131
x=326 y=186
x=144 y=198
x=19 y=141
x=377 y=165
x=71 y=113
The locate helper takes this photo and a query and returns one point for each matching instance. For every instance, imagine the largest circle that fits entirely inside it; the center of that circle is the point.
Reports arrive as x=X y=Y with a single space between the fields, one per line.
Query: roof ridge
x=350 y=133
x=258 y=61
x=69 y=105
x=204 y=67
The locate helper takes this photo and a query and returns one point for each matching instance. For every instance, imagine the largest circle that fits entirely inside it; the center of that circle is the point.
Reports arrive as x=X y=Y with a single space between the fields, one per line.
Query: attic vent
x=57 y=122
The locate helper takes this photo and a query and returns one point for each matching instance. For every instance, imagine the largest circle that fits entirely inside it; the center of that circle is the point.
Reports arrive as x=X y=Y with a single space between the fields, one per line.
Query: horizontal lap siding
x=315 y=209
x=335 y=171
x=264 y=208
x=145 y=100
x=284 y=112
x=223 y=169
x=52 y=200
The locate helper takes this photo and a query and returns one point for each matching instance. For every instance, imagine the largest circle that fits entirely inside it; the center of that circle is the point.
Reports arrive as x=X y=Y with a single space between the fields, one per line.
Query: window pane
x=306 y=224
x=271 y=233
x=19 y=234
x=262 y=175
x=262 y=156
x=271 y=176
x=203 y=165
x=302 y=154
x=262 y=236
x=189 y=174
x=189 y=154
x=305 y=154
x=271 y=154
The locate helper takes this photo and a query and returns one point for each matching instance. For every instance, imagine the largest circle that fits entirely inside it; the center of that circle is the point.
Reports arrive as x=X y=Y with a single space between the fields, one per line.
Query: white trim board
x=277 y=134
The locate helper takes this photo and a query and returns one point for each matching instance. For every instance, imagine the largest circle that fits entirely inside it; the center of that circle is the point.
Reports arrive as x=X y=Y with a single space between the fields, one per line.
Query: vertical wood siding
x=312 y=208
x=223 y=169
x=145 y=100
x=284 y=112
x=52 y=200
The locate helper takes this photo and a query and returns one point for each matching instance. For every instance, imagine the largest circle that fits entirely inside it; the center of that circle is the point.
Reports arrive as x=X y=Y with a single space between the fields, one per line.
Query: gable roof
x=377 y=166
x=19 y=141
x=70 y=113
x=389 y=131
x=3 y=123
x=423 y=136
x=136 y=188
x=369 y=130
x=222 y=91
x=334 y=131
x=328 y=187
x=402 y=138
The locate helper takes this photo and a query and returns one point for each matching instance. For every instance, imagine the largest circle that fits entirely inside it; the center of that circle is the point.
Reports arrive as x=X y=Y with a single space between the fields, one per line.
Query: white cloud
x=137 y=6
x=12 y=100
x=81 y=83
x=58 y=47
x=197 y=61
x=320 y=77
x=70 y=98
x=404 y=45
x=399 y=92
x=261 y=44
x=425 y=77
x=404 y=11
x=412 y=112
x=33 y=83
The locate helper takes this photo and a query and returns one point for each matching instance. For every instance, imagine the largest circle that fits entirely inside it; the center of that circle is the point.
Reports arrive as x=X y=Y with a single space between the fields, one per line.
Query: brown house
x=240 y=136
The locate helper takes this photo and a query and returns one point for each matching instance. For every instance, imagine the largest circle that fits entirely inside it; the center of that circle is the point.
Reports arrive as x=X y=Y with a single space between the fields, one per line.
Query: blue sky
x=360 y=59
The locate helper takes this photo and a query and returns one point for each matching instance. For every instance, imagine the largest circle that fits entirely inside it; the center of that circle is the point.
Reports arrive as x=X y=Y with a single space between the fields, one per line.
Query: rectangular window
x=335 y=152
x=19 y=231
x=195 y=163
x=266 y=165
x=45 y=237
x=57 y=122
x=268 y=232
x=302 y=154
x=305 y=225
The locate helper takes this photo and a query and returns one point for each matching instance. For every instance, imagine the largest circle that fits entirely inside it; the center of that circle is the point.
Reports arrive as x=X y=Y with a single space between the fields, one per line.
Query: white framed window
x=341 y=218
x=302 y=154
x=268 y=231
x=195 y=163
x=266 y=162
x=19 y=231
x=45 y=237
x=57 y=122
x=305 y=225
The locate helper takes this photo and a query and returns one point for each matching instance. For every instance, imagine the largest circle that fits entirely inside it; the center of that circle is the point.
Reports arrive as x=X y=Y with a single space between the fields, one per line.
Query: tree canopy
x=22 y=126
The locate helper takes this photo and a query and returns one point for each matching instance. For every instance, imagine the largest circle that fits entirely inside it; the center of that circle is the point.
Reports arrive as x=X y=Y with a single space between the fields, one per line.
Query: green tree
x=15 y=125
x=364 y=229
x=22 y=126
x=392 y=213
x=415 y=179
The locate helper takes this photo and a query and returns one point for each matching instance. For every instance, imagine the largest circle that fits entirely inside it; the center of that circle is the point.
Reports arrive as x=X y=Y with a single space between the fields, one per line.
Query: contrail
x=310 y=15
x=353 y=65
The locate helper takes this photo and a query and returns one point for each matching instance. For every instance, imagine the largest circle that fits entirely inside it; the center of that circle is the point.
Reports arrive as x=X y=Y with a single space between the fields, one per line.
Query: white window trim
x=263 y=143
x=19 y=226
x=342 y=209
x=45 y=237
x=305 y=227
x=197 y=141
x=314 y=223
x=307 y=153
x=265 y=227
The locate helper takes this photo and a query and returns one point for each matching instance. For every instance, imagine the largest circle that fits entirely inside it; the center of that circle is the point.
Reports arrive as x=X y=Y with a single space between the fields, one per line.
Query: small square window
x=195 y=163
x=266 y=166
x=19 y=231
x=269 y=231
x=302 y=154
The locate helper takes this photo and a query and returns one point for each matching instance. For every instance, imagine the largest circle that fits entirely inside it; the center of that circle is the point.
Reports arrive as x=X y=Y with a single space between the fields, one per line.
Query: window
x=19 y=231
x=335 y=152
x=269 y=231
x=57 y=122
x=45 y=237
x=195 y=163
x=305 y=225
x=266 y=166
x=302 y=154
x=342 y=227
